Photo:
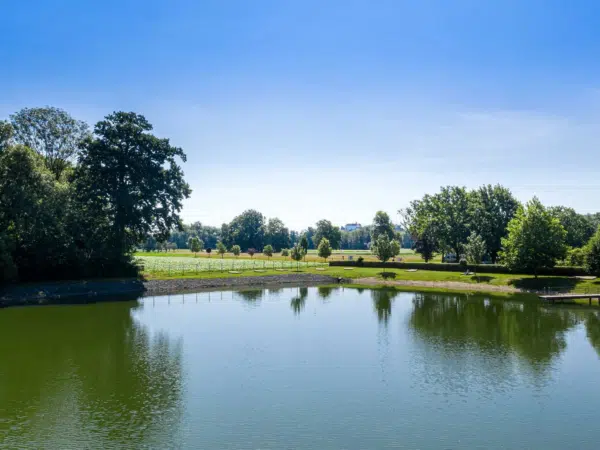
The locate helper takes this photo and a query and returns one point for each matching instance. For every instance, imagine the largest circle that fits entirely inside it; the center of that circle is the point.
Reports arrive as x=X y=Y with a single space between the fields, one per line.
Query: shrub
x=359 y=261
x=285 y=252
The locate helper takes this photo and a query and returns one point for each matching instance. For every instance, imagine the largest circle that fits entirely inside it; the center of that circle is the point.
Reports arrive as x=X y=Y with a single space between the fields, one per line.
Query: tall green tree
x=277 y=234
x=236 y=250
x=446 y=215
x=579 y=228
x=131 y=177
x=51 y=132
x=382 y=224
x=324 y=250
x=196 y=245
x=221 y=249
x=535 y=240
x=475 y=249
x=268 y=250
x=592 y=254
x=248 y=230
x=385 y=249
x=304 y=243
x=325 y=229
x=426 y=244
x=6 y=135
x=297 y=253
x=491 y=209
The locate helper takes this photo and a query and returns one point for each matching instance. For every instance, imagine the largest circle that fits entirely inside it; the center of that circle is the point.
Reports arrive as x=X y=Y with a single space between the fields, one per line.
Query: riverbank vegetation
x=75 y=202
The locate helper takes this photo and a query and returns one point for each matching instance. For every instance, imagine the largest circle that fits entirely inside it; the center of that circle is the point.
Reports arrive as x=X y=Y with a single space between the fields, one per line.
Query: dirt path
x=371 y=281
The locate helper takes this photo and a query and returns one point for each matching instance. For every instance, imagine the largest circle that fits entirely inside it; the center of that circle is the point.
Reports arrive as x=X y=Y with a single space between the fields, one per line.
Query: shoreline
x=85 y=291
x=128 y=289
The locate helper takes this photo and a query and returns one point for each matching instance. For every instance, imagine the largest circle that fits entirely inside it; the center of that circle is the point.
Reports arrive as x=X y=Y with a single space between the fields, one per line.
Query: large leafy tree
x=446 y=214
x=579 y=228
x=6 y=134
x=248 y=230
x=52 y=132
x=382 y=224
x=277 y=234
x=475 y=249
x=491 y=209
x=592 y=254
x=425 y=243
x=325 y=229
x=535 y=239
x=131 y=177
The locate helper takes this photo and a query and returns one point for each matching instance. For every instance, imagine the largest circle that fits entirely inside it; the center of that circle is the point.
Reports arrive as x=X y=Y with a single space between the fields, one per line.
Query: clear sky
x=329 y=109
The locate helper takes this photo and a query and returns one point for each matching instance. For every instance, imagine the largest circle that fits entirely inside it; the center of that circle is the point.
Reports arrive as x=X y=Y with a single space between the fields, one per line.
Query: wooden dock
x=566 y=298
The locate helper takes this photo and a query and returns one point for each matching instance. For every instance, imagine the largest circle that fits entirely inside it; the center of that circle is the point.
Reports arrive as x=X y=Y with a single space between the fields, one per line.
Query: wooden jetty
x=565 y=298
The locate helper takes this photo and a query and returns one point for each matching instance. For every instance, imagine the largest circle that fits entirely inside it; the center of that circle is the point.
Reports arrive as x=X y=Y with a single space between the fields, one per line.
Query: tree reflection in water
x=298 y=302
x=88 y=370
x=523 y=328
x=382 y=303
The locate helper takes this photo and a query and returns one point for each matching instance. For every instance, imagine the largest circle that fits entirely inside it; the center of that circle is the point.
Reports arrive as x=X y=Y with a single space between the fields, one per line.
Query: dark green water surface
x=300 y=368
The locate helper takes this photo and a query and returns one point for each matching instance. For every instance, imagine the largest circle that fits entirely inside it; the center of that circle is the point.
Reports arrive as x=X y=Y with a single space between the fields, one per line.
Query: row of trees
x=490 y=222
x=75 y=202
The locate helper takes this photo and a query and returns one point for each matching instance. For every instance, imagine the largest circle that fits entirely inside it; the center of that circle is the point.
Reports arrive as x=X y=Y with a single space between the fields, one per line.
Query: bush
x=359 y=261
x=285 y=252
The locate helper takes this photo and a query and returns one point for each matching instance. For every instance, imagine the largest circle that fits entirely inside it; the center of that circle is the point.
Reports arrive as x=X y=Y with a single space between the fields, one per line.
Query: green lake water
x=300 y=368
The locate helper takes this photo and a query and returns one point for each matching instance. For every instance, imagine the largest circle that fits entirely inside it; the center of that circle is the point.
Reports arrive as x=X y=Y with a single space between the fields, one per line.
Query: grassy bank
x=520 y=282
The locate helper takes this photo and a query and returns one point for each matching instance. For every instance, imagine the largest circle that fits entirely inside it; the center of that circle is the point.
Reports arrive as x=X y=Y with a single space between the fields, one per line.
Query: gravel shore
x=157 y=287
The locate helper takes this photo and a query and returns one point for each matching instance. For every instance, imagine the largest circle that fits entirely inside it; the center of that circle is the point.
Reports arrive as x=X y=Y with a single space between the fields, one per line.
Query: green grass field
x=406 y=255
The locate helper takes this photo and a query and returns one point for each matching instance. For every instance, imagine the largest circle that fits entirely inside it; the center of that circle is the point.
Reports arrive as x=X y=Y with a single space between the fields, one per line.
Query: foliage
x=248 y=230
x=196 y=245
x=285 y=252
x=324 y=249
x=576 y=256
x=51 y=132
x=385 y=249
x=446 y=214
x=297 y=253
x=535 y=239
x=358 y=239
x=475 y=249
x=236 y=250
x=132 y=178
x=491 y=209
x=304 y=243
x=325 y=229
x=579 y=228
x=359 y=261
x=426 y=244
x=277 y=235
x=6 y=135
x=221 y=249
x=592 y=254
x=310 y=234
x=382 y=224
x=208 y=251
x=268 y=250
x=251 y=251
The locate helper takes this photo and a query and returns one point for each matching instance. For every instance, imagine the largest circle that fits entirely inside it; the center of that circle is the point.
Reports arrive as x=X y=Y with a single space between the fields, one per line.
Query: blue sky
x=329 y=109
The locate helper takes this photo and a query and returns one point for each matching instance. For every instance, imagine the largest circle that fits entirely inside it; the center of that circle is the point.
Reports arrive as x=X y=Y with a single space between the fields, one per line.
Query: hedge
x=564 y=271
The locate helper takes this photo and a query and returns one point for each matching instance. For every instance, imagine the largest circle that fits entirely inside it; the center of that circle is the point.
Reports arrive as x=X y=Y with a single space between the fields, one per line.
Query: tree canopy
x=325 y=229
x=324 y=249
x=535 y=239
x=51 y=132
x=382 y=224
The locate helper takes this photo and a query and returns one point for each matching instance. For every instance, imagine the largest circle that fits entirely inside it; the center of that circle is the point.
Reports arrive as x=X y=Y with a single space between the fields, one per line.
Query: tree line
x=489 y=222
x=76 y=201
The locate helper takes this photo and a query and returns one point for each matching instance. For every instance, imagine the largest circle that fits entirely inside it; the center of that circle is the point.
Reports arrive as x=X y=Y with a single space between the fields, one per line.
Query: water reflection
x=298 y=302
x=87 y=372
x=252 y=295
x=536 y=335
x=325 y=291
x=382 y=303
x=592 y=326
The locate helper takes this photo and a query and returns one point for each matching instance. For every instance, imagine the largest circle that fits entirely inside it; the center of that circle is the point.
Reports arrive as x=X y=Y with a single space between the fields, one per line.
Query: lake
x=301 y=368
